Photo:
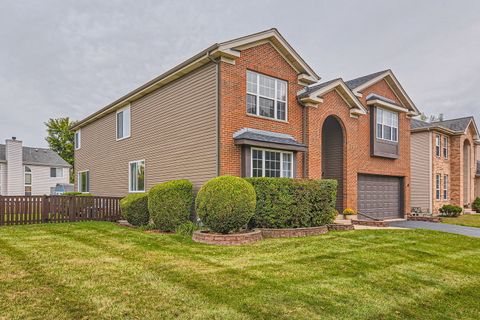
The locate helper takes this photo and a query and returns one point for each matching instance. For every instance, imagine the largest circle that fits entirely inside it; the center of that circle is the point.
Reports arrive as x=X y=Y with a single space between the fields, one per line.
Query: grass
x=97 y=270
x=468 y=220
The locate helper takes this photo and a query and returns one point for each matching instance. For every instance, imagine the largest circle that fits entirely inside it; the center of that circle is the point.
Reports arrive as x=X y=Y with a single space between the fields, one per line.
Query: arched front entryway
x=332 y=155
x=466 y=172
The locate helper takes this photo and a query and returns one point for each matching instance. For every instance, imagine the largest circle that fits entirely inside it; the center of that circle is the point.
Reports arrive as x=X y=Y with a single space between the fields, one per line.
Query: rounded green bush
x=135 y=209
x=226 y=204
x=170 y=204
x=450 y=210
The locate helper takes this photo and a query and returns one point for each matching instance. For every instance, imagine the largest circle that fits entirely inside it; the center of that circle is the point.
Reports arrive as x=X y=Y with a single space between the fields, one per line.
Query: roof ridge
x=370 y=74
x=461 y=118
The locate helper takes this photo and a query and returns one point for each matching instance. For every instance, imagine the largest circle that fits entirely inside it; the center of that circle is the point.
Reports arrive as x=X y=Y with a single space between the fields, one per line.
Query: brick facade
x=441 y=166
x=357 y=157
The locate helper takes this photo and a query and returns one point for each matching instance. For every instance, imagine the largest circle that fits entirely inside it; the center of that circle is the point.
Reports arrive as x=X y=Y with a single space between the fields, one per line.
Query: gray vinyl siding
x=420 y=171
x=173 y=129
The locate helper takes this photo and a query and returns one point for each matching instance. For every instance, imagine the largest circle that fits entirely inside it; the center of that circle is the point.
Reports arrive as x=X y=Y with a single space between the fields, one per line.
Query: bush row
x=226 y=204
x=450 y=210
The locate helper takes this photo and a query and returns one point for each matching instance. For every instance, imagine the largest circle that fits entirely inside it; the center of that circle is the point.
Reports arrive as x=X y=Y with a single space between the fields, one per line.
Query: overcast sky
x=70 y=58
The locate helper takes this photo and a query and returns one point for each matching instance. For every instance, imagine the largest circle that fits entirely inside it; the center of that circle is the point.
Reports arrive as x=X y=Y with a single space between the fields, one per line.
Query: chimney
x=15 y=171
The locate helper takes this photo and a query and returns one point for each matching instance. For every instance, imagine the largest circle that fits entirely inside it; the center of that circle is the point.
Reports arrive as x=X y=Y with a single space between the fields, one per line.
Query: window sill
x=130 y=191
x=266 y=118
x=120 y=139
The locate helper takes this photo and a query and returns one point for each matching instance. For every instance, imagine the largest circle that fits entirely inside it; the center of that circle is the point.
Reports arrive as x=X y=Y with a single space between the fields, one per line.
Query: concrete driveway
x=450 y=228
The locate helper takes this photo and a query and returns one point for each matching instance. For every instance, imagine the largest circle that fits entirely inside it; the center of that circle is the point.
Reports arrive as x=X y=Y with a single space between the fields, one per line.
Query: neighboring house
x=477 y=176
x=444 y=163
x=30 y=171
x=253 y=107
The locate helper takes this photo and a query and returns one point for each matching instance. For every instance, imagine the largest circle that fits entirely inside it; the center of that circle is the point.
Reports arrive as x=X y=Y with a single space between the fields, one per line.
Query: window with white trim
x=56 y=172
x=438 y=179
x=136 y=176
x=445 y=187
x=387 y=125
x=438 y=143
x=28 y=181
x=78 y=139
x=83 y=182
x=271 y=163
x=266 y=96
x=445 y=147
x=123 y=123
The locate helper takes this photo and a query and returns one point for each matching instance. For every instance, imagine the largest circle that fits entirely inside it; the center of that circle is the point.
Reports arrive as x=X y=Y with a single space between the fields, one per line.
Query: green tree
x=61 y=138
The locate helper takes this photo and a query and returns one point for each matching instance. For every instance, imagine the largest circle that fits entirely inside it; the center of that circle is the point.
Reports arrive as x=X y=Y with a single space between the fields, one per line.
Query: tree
x=61 y=138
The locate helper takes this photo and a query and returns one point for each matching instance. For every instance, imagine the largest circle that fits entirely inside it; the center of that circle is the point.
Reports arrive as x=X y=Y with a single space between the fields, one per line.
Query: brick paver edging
x=227 y=239
x=380 y=224
x=340 y=227
x=426 y=219
x=293 y=232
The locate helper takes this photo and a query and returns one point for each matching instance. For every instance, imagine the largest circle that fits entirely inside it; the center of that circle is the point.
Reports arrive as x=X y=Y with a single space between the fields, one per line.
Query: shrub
x=135 y=209
x=293 y=203
x=449 y=210
x=187 y=228
x=170 y=204
x=77 y=194
x=349 y=212
x=476 y=205
x=226 y=204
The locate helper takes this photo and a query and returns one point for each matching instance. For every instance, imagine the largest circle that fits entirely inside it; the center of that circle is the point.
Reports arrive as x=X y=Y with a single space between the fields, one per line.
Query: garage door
x=380 y=196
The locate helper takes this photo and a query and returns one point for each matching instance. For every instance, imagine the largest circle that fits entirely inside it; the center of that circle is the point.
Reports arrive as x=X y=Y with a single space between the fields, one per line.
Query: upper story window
x=445 y=147
x=56 y=173
x=387 y=125
x=266 y=96
x=28 y=181
x=445 y=187
x=84 y=181
x=271 y=163
x=438 y=143
x=77 y=139
x=438 y=179
x=123 y=123
x=136 y=176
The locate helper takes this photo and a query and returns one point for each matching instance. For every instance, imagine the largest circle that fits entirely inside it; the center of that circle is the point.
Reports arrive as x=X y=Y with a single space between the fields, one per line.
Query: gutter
x=149 y=85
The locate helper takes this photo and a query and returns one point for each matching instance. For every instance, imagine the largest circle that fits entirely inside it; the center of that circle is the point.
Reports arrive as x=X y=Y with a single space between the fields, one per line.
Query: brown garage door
x=380 y=196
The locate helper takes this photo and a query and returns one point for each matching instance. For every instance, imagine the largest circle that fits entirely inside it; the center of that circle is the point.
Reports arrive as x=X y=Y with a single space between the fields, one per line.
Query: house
x=444 y=163
x=30 y=171
x=253 y=107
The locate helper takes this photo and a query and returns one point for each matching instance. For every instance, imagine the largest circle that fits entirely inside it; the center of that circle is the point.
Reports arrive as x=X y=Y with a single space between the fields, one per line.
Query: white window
x=28 y=181
x=84 y=181
x=438 y=179
x=445 y=147
x=136 y=176
x=123 y=123
x=437 y=145
x=387 y=125
x=271 y=163
x=56 y=172
x=445 y=187
x=78 y=139
x=266 y=96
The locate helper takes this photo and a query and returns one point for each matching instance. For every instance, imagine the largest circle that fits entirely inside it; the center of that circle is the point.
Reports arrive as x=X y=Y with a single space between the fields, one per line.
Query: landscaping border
x=370 y=223
x=293 y=232
x=340 y=227
x=426 y=219
x=227 y=239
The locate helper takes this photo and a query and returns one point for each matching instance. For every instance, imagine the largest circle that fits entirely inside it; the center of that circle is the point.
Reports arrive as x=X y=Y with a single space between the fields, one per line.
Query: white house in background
x=30 y=171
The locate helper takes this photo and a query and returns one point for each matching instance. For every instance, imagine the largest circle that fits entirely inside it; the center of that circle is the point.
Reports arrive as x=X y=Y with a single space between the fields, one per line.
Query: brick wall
x=233 y=116
x=441 y=166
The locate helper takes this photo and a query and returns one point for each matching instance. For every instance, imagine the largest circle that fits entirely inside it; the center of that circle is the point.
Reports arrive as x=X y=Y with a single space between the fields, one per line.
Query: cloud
x=70 y=58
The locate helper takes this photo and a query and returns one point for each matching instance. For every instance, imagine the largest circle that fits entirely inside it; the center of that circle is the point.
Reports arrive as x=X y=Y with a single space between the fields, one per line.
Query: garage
x=380 y=197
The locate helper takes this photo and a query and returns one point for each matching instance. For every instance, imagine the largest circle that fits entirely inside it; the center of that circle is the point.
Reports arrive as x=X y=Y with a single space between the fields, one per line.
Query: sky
x=71 y=58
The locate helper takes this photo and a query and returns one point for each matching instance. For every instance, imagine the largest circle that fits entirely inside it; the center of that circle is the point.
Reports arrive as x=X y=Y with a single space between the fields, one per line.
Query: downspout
x=304 y=138
x=217 y=105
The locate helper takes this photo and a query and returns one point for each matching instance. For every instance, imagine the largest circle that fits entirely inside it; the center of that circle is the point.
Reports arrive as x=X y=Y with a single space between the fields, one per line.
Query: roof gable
x=312 y=96
x=359 y=84
x=452 y=126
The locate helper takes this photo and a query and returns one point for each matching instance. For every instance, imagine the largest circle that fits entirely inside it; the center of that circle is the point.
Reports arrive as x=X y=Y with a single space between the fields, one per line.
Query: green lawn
x=97 y=270
x=469 y=220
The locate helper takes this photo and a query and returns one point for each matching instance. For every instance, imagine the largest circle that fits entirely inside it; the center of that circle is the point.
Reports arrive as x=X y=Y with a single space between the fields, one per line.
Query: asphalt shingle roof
x=38 y=156
x=266 y=136
x=317 y=87
x=456 y=125
x=354 y=83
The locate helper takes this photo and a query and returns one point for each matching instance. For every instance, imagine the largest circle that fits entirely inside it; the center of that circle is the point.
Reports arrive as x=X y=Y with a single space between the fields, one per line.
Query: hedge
x=293 y=203
x=476 y=205
x=226 y=204
x=135 y=209
x=77 y=194
x=449 y=210
x=170 y=204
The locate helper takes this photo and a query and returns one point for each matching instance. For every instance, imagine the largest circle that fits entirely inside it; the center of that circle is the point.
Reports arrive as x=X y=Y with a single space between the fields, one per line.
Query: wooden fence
x=50 y=209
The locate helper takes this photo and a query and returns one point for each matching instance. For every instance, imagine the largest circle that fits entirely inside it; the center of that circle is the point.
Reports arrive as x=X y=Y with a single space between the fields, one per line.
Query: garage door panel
x=380 y=196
